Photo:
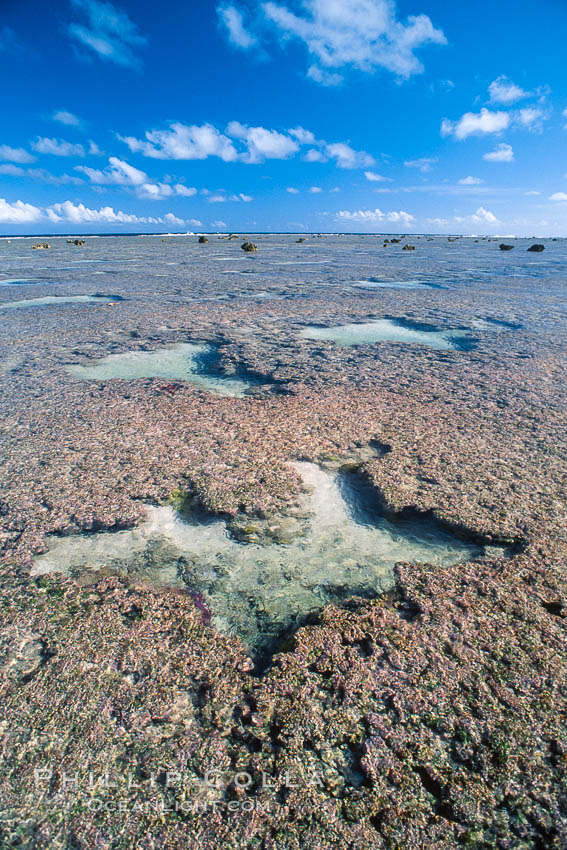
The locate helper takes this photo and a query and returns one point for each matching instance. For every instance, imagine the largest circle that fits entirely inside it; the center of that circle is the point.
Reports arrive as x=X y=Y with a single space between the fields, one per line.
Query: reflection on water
x=261 y=593
x=181 y=362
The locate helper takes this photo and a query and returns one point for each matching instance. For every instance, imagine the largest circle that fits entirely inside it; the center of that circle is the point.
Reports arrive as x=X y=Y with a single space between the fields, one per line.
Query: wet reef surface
x=345 y=579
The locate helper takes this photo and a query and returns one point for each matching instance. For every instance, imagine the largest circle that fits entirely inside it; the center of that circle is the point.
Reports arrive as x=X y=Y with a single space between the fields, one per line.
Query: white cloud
x=195 y=222
x=363 y=34
x=565 y=116
x=18 y=212
x=221 y=197
x=243 y=143
x=482 y=216
x=375 y=216
x=261 y=143
x=373 y=177
x=184 y=142
x=67 y=118
x=80 y=214
x=325 y=78
x=94 y=149
x=472 y=123
x=109 y=33
x=292 y=190
x=121 y=173
x=118 y=172
x=8 y=154
x=220 y=224
x=315 y=190
x=57 y=147
x=232 y=19
x=303 y=136
x=424 y=164
x=470 y=181
x=504 y=91
x=502 y=153
x=558 y=196
x=531 y=118
x=347 y=157
x=40 y=174
x=170 y=218
x=315 y=155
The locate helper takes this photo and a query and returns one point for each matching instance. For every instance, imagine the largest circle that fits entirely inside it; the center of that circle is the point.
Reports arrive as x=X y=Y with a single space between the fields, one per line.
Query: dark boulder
x=248 y=247
x=537 y=248
x=505 y=247
x=203 y=240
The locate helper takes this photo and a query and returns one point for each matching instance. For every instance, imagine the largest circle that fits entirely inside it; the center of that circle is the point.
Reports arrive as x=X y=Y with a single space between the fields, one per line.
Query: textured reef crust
x=432 y=716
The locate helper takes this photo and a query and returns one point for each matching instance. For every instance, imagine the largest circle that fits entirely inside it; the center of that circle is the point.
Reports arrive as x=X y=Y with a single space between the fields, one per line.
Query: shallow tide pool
x=264 y=592
x=384 y=330
x=181 y=362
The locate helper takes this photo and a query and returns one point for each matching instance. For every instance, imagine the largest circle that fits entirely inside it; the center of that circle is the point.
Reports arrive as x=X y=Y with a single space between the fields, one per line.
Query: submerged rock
x=41 y=247
x=504 y=247
x=408 y=248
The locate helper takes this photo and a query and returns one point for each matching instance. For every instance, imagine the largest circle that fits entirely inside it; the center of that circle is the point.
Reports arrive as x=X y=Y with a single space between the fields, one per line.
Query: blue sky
x=318 y=115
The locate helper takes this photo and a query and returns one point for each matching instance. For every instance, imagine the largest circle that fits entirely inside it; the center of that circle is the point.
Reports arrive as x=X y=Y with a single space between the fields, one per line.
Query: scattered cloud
x=375 y=216
x=347 y=157
x=504 y=91
x=292 y=190
x=18 y=212
x=303 y=136
x=231 y=18
x=183 y=141
x=220 y=224
x=39 y=174
x=118 y=172
x=8 y=154
x=362 y=34
x=67 y=118
x=315 y=190
x=262 y=144
x=108 y=32
x=424 y=164
x=470 y=181
x=221 y=197
x=243 y=143
x=121 y=173
x=57 y=147
x=558 y=196
x=565 y=116
x=502 y=153
x=481 y=216
x=374 y=178
x=94 y=149
x=472 y=123
x=325 y=78
x=530 y=118
x=80 y=214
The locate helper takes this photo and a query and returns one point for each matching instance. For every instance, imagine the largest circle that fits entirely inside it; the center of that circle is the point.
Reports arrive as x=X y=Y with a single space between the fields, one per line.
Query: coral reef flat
x=261 y=589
